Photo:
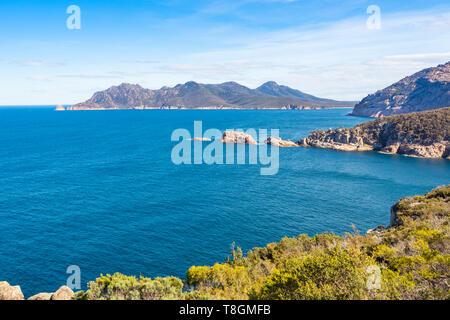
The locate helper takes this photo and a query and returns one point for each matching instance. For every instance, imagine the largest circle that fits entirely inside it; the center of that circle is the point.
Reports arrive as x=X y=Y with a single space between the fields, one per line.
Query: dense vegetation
x=408 y=260
x=423 y=128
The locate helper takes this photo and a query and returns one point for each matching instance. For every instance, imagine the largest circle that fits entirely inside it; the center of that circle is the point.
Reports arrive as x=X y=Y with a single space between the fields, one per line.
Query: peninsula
x=421 y=134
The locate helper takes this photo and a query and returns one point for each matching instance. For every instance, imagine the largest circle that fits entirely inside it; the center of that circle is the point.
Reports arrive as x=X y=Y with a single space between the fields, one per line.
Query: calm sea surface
x=98 y=189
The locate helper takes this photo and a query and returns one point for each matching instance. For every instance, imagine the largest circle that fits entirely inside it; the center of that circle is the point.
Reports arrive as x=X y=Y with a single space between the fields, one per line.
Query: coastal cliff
x=421 y=134
x=425 y=90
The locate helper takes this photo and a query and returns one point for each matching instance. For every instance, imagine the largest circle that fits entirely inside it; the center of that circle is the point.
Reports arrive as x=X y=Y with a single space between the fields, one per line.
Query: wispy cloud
x=421 y=56
x=88 y=76
x=40 y=63
x=142 y=61
x=322 y=48
x=38 y=78
x=222 y=7
x=342 y=60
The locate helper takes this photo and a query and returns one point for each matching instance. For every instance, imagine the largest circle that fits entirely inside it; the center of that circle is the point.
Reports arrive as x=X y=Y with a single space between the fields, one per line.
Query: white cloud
x=88 y=76
x=341 y=60
x=421 y=56
x=40 y=63
x=142 y=61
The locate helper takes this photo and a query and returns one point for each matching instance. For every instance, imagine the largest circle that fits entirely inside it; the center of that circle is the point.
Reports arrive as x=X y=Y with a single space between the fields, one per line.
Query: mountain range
x=425 y=90
x=193 y=95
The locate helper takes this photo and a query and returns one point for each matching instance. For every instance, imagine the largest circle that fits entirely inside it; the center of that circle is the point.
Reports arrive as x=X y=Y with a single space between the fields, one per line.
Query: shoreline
x=82 y=108
x=415 y=149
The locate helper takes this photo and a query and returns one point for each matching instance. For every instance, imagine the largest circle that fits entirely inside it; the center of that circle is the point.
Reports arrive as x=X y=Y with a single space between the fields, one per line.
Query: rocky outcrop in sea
x=243 y=138
x=278 y=142
x=237 y=137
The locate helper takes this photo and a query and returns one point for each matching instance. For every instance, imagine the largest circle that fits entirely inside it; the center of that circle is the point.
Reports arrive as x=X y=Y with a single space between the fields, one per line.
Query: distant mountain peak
x=424 y=90
x=191 y=83
x=270 y=84
x=231 y=83
x=128 y=85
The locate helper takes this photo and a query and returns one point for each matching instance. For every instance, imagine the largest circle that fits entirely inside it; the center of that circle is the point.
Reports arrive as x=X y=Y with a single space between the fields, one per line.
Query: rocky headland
x=421 y=134
x=425 y=90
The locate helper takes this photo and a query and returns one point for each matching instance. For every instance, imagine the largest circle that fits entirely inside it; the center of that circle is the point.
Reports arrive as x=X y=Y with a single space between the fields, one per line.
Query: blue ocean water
x=98 y=189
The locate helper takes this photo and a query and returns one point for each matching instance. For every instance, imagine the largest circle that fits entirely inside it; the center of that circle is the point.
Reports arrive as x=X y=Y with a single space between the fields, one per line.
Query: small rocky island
x=421 y=134
x=238 y=137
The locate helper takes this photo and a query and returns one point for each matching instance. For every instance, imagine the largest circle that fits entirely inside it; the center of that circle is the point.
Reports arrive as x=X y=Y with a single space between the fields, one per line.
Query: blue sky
x=320 y=47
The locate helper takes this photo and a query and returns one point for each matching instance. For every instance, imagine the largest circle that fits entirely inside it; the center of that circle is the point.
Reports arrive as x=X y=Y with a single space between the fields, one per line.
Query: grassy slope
x=411 y=258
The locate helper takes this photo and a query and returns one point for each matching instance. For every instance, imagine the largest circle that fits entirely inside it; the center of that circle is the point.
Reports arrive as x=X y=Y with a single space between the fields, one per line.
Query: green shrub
x=121 y=287
x=337 y=274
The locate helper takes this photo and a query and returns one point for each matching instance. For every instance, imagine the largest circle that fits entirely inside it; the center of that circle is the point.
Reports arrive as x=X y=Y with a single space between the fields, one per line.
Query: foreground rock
x=63 y=293
x=424 y=90
x=8 y=292
x=421 y=134
x=237 y=137
x=280 y=142
x=41 y=296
